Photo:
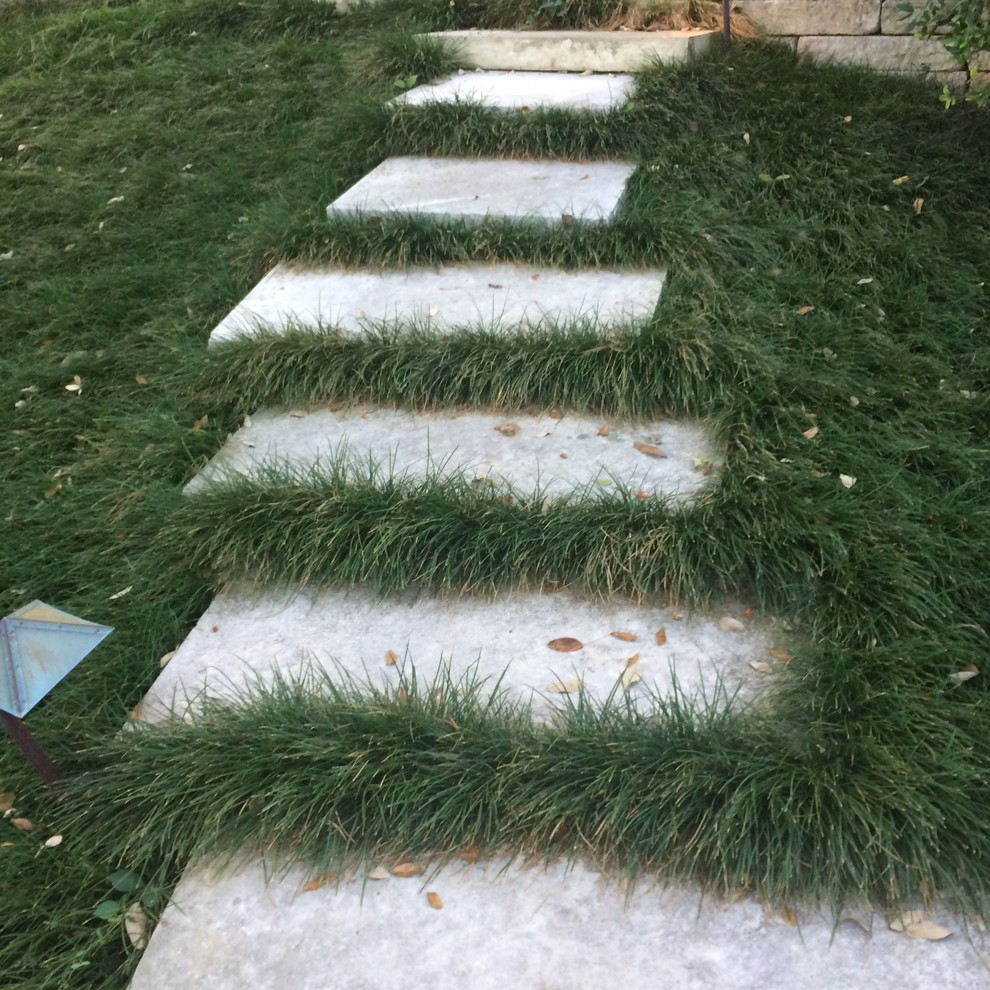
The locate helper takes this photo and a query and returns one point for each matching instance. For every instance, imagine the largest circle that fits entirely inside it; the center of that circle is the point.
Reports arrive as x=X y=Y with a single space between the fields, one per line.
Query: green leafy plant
x=406 y=82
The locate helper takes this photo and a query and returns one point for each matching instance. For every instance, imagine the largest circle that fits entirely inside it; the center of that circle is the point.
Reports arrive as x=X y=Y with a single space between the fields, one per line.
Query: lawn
x=826 y=235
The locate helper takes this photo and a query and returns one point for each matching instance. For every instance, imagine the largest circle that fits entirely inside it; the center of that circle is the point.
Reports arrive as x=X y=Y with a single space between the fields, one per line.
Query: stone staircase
x=484 y=924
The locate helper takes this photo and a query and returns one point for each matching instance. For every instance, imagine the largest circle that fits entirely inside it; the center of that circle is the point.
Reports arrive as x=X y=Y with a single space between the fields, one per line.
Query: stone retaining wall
x=856 y=32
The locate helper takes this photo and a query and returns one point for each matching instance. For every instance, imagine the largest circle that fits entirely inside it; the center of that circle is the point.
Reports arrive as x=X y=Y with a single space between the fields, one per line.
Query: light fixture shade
x=39 y=645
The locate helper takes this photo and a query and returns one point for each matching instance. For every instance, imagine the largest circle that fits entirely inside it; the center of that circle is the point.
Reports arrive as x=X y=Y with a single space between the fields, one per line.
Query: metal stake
x=31 y=748
x=726 y=22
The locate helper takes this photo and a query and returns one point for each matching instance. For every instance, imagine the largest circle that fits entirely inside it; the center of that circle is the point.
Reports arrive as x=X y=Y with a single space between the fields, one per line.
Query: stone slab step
x=574 y=51
x=505 y=925
x=245 y=636
x=521 y=452
x=475 y=188
x=525 y=90
x=503 y=296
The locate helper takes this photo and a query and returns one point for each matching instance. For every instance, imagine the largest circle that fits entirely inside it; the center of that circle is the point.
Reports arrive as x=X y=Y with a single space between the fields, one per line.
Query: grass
x=226 y=128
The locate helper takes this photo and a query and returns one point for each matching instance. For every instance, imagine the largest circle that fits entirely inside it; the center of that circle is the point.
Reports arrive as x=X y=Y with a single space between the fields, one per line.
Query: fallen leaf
x=603 y=430
x=566 y=687
x=778 y=654
x=406 y=870
x=141 y=380
x=746 y=138
x=322 y=880
x=730 y=624
x=433 y=898
x=650 y=449
x=469 y=854
x=555 y=413
x=379 y=873
x=136 y=925
x=163 y=662
x=661 y=636
x=641 y=494
x=676 y=616
x=626 y=637
x=803 y=310
x=815 y=473
x=864 y=281
x=533 y=278
x=135 y=715
x=55 y=840
x=564 y=457
x=919 y=202
x=810 y=433
x=748 y=614
x=6 y=800
x=215 y=629
x=391 y=658
x=847 y=480
x=693 y=126
x=75 y=385
x=23 y=824
x=631 y=675
x=565 y=644
x=762 y=666
x=298 y=413
x=507 y=429
x=914 y=925
x=121 y=593
x=68 y=248
x=200 y=423
x=901 y=180
x=403 y=696
x=966 y=674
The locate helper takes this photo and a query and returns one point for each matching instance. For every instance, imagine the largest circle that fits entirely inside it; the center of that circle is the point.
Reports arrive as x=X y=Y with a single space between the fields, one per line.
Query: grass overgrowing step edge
x=798 y=548
x=327 y=772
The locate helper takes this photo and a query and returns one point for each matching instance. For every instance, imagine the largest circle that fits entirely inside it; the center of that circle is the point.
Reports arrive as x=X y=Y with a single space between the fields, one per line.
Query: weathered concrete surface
x=509 y=451
x=245 y=636
x=799 y=17
x=525 y=90
x=552 y=191
x=502 y=925
x=498 y=296
x=574 y=51
x=893 y=53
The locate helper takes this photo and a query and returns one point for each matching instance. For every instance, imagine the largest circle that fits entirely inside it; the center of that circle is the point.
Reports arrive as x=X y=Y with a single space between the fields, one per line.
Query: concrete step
x=550 y=191
x=506 y=452
x=574 y=51
x=525 y=90
x=244 y=637
x=505 y=297
x=496 y=924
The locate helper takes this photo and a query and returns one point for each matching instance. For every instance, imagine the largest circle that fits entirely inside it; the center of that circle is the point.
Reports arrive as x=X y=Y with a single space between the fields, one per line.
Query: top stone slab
x=473 y=189
x=574 y=51
x=525 y=90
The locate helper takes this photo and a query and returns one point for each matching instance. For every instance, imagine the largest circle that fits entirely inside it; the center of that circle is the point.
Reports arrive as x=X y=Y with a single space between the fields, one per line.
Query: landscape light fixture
x=39 y=645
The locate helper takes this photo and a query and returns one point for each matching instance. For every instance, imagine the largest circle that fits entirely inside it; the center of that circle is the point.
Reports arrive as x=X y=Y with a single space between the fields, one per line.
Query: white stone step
x=494 y=925
x=519 y=452
x=502 y=296
x=475 y=188
x=244 y=637
x=525 y=90
x=574 y=51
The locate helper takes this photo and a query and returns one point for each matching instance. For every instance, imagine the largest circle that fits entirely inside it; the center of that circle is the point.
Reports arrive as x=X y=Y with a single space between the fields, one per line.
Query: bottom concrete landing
x=493 y=925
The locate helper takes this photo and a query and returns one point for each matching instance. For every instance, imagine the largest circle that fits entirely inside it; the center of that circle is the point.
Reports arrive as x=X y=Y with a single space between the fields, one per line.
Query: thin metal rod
x=31 y=748
x=726 y=22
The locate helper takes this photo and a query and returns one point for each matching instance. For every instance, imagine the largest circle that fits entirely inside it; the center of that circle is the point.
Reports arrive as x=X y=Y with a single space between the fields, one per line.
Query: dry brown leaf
x=6 y=800
x=730 y=624
x=650 y=449
x=778 y=654
x=136 y=713
x=966 y=674
x=433 y=898
x=915 y=925
x=847 y=480
x=391 y=658
x=507 y=429
x=811 y=432
x=803 y=310
x=555 y=413
x=565 y=644
x=55 y=840
x=403 y=696
x=676 y=616
x=564 y=457
x=406 y=870
x=789 y=915
x=919 y=202
x=200 y=423
x=748 y=614
x=661 y=636
x=379 y=873
x=570 y=686
x=641 y=494
x=136 y=925
x=469 y=854
x=603 y=430
x=626 y=637
x=906 y=918
x=631 y=675
x=163 y=662
x=298 y=413
x=24 y=824
x=141 y=380
x=762 y=666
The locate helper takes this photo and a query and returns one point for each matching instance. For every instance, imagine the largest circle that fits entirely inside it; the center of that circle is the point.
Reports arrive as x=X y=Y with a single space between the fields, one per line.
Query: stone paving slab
x=574 y=51
x=519 y=452
x=502 y=296
x=504 y=925
x=475 y=188
x=245 y=636
x=525 y=90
